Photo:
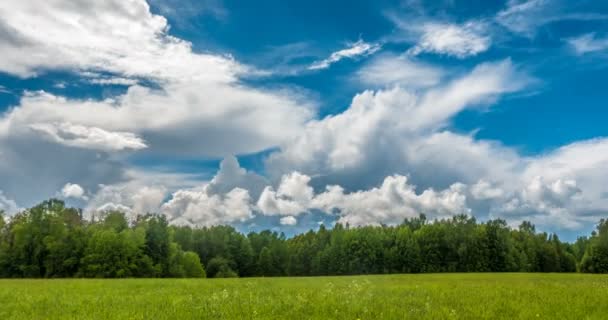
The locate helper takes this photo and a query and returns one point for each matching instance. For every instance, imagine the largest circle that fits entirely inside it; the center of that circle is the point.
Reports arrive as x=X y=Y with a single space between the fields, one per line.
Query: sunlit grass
x=426 y=296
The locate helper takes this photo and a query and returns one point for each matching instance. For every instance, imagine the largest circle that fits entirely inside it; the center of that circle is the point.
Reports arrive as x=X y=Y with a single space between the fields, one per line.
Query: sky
x=286 y=115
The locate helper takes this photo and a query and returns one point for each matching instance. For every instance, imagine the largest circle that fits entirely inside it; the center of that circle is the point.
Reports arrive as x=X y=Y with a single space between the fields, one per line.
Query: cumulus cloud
x=179 y=103
x=231 y=175
x=121 y=37
x=288 y=221
x=203 y=209
x=357 y=49
x=396 y=132
x=393 y=129
x=73 y=190
x=7 y=205
x=227 y=117
x=555 y=204
x=222 y=200
x=392 y=202
x=200 y=94
x=460 y=41
x=292 y=197
x=132 y=197
x=588 y=43
x=390 y=155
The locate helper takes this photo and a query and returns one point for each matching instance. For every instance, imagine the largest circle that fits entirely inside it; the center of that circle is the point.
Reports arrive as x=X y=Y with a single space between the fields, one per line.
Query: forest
x=51 y=240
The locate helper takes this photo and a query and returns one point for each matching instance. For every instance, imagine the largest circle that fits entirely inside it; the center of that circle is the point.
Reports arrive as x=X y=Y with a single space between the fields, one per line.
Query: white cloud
x=134 y=198
x=117 y=36
x=292 y=197
x=184 y=202
x=390 y=203
x=525 y=17
x=114 y=81
x=384 y=127
x=231 y=175
x=227 y=117
x=389 y=70
x=200 y=94
x=197 y=107
x=357 y=49
x=202 y=209
x=89 y=137
x=460 y=41
x=588 y=43
x=288 y=221
x=7 y=205
x=401 y=132
x=73 y=190
x=365 y=160
x=483 y=190
x=182 y=10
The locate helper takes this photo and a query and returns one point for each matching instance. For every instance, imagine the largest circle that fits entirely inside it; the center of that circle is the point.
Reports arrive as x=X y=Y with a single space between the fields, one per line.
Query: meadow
x=420 y=296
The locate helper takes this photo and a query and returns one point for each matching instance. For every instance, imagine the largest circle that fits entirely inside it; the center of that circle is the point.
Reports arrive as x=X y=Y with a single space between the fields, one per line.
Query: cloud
x=89 y=137
x=390 y=155
x=202 y=209
x=183 y=10
x=390 y=70
x=73 y=190
x=393 y=201
x=222 y=200
x=179 y=103
x=392 y=133
x=115 y=42
x=524 y=17
x=393 y=126
x=292 y=197
x=227 y=117
x=8 y=206
x=131 y=197
x=288 y=221
x=460 y=41
x=231 y=175
x=588 y=43
x=357 y=49
x=121 y=37
x=114 y=81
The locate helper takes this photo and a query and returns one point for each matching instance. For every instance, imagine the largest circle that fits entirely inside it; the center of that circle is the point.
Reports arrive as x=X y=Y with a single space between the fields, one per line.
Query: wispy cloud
x=460 y=41
x=389 y=70
x=588 y=43
x=525 y=17
x=357 y=49
x=181 y=11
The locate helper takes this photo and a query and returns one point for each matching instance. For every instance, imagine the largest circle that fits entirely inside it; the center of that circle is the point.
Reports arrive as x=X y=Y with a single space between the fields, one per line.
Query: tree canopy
x=51 y=240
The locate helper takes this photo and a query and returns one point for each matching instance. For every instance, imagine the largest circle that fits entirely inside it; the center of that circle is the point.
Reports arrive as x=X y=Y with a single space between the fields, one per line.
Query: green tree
x=265 y=263
x=595 y=259
x=192 y=265
x=219 y=267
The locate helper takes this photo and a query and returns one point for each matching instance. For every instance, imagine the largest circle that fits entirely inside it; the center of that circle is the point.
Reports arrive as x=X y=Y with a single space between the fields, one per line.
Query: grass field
x=427 y=296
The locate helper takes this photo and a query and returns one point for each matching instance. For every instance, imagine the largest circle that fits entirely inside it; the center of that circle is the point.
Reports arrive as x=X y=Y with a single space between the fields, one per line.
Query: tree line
x=51 y=240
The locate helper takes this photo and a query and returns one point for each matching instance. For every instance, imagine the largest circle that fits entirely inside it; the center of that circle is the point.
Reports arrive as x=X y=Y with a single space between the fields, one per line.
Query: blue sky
x=284 y=115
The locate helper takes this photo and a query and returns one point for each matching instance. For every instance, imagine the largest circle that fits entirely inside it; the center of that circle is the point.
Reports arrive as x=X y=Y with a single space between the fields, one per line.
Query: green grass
x=426 y=296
